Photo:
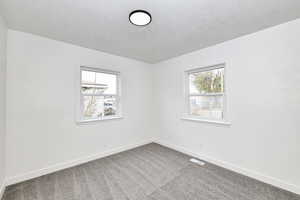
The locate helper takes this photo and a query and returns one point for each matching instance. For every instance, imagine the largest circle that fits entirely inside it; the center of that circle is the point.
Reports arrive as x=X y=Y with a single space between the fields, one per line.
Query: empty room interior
x=149 y=100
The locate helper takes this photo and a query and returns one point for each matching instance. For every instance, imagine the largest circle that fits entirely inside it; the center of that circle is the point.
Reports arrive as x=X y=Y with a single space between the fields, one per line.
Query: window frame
x=187 y=110
x=80 y=107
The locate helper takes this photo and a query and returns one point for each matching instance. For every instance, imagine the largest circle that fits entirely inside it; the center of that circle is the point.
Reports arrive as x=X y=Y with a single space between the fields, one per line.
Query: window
x=205 y=93
x=99 y=94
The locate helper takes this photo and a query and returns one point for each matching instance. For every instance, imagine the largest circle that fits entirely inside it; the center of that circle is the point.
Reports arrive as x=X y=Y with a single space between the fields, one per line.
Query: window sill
x=206 y=121
x=91 y=121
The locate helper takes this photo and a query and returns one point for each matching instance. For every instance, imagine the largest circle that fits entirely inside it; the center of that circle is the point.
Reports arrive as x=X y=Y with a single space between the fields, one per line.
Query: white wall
x=3 y=31
x=41 y=87
x=263 y=84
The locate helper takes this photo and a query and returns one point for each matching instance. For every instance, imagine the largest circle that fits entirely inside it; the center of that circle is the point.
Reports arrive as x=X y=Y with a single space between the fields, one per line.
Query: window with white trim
x=205 y=93
x=99 y=94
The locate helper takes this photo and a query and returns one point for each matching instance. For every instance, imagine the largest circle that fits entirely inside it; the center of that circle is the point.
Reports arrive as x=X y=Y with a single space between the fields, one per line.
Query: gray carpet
x=150 y=172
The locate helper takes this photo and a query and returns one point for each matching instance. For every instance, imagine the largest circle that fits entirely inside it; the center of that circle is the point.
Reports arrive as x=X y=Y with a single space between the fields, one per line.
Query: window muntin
x=99 y=94
x=205 y=93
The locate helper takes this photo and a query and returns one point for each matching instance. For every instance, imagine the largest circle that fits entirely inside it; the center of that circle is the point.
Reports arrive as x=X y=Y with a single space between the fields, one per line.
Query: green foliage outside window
x=209 y=81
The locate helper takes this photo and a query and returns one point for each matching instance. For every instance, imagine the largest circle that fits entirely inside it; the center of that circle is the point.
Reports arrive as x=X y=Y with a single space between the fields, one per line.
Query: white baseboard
x=2 y=189
x=68 y=164
x=253 y=174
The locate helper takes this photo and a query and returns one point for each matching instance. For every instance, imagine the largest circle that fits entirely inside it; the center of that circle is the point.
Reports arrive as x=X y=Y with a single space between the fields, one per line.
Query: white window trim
x=79 y=96
x=186 y=113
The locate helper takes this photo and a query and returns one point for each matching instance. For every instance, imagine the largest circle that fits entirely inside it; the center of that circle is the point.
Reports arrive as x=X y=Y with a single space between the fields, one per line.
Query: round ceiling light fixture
x=140 y=17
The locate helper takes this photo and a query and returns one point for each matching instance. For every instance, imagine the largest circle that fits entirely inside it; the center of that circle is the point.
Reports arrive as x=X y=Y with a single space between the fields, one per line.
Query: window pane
x=107 y=80
x=209 y=107
x=98 y=83
x=88 y=77
x=98 y=106
x=110 y=106
x=93 y=107
x=205 y=82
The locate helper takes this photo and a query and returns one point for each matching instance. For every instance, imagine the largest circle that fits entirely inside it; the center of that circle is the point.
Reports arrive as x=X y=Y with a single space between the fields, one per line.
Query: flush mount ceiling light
x=140 y=17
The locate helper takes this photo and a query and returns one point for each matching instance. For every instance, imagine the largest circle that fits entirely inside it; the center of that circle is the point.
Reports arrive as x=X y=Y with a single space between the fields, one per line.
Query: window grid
x=190 y=95
x=115 y=96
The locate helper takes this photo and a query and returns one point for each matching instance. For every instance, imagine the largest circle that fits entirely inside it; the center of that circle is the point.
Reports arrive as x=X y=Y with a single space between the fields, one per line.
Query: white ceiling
x=178 y=26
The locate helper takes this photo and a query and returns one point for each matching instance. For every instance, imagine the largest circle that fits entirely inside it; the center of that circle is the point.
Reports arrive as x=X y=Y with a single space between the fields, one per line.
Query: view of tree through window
x=99 y=94
x=206 y=93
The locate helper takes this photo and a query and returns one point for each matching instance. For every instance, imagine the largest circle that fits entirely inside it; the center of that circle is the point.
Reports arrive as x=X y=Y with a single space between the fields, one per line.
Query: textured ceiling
x=178 y=26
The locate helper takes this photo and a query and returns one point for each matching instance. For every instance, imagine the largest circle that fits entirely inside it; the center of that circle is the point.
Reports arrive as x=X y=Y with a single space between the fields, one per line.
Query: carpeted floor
x=150 y=172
